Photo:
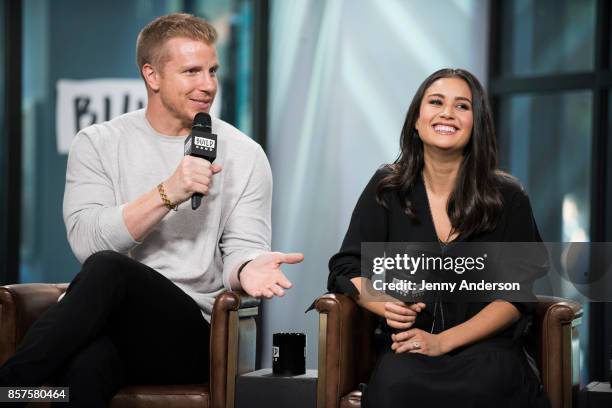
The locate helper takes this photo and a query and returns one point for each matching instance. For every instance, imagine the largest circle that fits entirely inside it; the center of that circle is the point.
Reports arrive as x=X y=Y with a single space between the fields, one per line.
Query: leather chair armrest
x=20 y=306
x=558 y=347
x=345 y=347
x=232 y=344
x=558 y=309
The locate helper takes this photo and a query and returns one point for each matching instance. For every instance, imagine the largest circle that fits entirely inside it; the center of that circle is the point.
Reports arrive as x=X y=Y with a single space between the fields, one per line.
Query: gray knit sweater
x=115 y=162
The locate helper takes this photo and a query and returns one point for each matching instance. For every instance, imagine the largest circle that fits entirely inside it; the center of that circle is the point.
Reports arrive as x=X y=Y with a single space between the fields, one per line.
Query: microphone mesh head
x=202 y=119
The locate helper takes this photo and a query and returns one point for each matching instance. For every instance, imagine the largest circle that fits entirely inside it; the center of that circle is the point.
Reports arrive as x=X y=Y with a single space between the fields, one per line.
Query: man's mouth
x=201 y=102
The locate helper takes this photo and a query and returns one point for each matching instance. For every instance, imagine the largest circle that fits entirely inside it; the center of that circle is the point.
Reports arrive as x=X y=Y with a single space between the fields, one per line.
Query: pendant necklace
x=443 y=245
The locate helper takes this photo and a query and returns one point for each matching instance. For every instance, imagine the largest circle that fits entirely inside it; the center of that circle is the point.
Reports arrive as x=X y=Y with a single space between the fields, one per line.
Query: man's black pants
x=120 y=323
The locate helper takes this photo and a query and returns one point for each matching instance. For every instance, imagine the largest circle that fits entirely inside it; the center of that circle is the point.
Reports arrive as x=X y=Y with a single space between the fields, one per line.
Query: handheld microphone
x=201 y=143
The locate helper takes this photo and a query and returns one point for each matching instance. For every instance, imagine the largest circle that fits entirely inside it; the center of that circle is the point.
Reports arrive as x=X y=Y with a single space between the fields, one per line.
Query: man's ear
x=151 y=76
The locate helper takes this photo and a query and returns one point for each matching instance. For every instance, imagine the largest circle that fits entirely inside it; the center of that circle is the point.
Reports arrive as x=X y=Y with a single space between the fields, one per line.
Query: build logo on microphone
x=205 y=143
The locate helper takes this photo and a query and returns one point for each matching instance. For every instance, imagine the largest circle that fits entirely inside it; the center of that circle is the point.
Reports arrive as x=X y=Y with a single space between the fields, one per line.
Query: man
x=139 y=310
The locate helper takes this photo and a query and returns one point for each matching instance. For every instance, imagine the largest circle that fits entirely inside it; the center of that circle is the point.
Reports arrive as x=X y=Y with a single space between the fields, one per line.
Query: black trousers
x=120 y=323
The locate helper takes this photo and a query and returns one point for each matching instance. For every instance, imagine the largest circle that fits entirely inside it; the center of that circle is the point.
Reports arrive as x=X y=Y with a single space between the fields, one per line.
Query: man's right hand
x=192 y=175
x=402 y=316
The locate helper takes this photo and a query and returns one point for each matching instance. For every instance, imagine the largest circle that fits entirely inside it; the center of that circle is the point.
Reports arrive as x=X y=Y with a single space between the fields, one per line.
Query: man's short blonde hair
x=153 y=37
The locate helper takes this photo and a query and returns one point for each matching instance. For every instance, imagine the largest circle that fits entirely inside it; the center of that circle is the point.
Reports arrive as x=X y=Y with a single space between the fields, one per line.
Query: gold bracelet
x=162 y=193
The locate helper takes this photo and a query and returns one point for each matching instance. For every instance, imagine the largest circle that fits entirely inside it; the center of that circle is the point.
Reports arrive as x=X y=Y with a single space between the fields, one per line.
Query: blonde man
x=139 y=310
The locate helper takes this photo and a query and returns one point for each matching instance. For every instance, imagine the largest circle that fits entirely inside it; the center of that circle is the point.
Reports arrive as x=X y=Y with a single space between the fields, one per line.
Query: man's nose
x=208 y=83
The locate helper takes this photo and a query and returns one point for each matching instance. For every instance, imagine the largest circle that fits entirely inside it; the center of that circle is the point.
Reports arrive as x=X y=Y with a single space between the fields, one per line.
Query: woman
x=445 y=187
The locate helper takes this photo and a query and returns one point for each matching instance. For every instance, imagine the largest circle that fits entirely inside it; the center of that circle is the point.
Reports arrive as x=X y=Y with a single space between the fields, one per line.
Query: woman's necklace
x=443 y=245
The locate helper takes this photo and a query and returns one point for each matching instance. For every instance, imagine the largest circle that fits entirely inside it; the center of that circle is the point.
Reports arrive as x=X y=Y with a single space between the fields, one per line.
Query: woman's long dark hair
x=476 y=201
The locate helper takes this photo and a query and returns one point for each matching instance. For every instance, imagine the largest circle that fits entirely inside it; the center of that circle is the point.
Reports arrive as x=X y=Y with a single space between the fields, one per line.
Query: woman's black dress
x=494 y=372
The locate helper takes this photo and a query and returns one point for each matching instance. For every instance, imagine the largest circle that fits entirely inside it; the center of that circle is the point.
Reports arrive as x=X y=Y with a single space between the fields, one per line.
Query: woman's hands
x=419 y=341
x=491 y=319
x=401 y=316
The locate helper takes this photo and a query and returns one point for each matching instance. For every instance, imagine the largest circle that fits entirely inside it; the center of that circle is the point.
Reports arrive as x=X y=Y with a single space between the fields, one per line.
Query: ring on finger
x=416 y=345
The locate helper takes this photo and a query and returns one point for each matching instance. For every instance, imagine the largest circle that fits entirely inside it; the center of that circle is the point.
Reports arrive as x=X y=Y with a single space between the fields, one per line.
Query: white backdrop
x=342 y=74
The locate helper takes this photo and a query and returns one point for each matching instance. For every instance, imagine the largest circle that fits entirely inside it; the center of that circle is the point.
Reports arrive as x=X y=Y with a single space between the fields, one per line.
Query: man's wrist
x=241 y=269
x=165 y=199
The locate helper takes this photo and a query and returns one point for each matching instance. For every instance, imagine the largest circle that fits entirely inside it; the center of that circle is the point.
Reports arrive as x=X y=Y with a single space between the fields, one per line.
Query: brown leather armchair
x=232 y=346
x=347 y=356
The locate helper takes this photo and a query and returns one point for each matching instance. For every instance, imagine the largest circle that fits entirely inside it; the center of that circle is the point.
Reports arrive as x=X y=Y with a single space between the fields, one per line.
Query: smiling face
x=184 y=83
x=445 y=117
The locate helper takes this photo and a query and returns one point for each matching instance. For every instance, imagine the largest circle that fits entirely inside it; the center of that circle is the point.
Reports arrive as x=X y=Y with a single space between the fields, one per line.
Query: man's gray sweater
x=113 y=163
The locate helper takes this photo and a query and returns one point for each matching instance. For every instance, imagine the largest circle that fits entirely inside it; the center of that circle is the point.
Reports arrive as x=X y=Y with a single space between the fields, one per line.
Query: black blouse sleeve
x=520 y=224
x=521 y=227
x=368 y=224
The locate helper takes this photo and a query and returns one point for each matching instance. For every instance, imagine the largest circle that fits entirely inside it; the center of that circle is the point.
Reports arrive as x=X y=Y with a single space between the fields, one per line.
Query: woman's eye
x=463 y=106
x=435 y=102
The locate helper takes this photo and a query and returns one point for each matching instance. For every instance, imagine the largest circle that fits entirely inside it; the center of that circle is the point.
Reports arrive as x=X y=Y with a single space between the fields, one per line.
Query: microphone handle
x=196 y=200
